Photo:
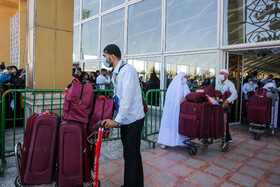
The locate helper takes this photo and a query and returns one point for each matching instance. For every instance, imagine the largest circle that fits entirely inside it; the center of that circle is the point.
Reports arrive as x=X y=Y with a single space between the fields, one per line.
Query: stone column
x=50 y=43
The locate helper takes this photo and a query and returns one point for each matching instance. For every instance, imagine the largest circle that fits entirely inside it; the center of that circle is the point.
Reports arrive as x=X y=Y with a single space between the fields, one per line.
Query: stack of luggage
x=260 y=110
x=56 y=151
x=200 y=119
x=259 y=107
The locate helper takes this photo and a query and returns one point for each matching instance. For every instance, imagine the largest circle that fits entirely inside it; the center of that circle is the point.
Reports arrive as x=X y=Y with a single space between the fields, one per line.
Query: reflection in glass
x=89 y=66
x=251 y=21
x=148 y=70
x=90 y=8
x=191 y=24
x=197 y=66
x=90 y=40
x=76 y=45
x=144 y=33
x=112 y=30
x=108 y=4
x=76 y=11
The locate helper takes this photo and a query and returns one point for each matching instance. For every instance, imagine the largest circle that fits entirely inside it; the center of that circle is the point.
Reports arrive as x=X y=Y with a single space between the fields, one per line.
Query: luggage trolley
x=258 y=129
x=95 y=139
x=192 y=146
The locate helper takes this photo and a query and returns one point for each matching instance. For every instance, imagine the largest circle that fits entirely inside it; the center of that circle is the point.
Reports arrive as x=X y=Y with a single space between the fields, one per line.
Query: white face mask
x=184 y=80
x=221 y=77
x=251 y=82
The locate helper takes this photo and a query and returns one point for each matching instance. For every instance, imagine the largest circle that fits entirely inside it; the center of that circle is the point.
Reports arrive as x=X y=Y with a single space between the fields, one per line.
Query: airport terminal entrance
x=254 y=63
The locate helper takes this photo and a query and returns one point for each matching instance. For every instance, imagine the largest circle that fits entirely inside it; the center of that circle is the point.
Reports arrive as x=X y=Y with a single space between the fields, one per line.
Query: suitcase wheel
x=256 y=136
x=225 y=147
x=192 y=149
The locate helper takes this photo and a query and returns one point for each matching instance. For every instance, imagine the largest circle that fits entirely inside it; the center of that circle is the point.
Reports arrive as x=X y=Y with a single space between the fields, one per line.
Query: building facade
x=164 y=37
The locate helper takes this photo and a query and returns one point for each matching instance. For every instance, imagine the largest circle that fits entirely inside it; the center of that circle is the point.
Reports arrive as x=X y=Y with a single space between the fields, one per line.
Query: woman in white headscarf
x=168 y=134
x=274 y=118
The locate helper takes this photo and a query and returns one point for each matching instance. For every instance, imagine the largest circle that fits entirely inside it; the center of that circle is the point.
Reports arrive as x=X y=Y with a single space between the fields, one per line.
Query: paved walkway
x=247 y=163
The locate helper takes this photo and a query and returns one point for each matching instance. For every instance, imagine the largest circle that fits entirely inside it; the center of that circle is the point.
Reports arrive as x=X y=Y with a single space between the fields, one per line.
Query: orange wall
x=5 y=14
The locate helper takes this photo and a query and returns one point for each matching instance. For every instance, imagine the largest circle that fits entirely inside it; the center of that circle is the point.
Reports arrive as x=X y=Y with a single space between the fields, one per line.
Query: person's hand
x=110 y=123
x=183 y=100
x=225 y=104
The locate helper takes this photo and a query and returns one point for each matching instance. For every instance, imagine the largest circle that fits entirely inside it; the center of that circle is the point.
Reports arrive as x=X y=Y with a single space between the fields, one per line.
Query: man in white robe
x=169 y=134
x=274 y=115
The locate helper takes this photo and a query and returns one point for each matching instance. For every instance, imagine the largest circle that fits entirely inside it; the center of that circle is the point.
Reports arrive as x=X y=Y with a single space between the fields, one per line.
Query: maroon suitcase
x=195 y=97
x=194 y=120
x=207 y=89
x=39 y=149
x=259 y=110
x=103 y=109
x=217 y=121
x=73 y=155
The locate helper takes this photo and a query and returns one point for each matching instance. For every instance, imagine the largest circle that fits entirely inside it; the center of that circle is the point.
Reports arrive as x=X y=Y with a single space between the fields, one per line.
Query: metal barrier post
x=152 y=128
x=2 y=143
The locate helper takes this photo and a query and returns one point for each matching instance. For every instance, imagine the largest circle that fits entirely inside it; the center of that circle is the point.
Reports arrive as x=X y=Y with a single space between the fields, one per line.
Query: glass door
x=234 y=62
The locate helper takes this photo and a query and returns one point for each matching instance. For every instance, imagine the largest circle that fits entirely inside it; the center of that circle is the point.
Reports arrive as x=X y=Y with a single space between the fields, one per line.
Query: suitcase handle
x=100 y=125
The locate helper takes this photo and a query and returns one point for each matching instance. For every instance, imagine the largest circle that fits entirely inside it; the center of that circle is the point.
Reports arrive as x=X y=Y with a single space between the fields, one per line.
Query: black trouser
x=131 y=140
x=229 y=111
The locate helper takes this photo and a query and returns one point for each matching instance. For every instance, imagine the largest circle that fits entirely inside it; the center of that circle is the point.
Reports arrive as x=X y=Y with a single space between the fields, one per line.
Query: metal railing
x=16 y=105
x=27 y=101
x=155 y=100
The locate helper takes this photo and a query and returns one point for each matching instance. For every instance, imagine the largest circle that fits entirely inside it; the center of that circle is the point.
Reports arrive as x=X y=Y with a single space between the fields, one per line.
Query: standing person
x=169 y=134
x=249 y=87
x=268 y=79
x=275 y=103
x=130 y=114
x=226 y=85
x=79 y=74
x=97 y=73
x=102 y=79
x=92 y=77
x=86 y=78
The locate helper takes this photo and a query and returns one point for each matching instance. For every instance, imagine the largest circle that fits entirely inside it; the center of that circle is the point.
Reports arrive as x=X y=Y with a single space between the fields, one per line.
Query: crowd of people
x=11 y=74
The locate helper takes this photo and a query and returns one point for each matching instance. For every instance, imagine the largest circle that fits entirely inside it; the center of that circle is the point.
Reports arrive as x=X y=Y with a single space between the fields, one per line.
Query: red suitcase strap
x=188 y=116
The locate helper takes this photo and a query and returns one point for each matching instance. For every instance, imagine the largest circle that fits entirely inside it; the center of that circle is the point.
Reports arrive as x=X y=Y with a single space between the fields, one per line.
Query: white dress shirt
x=128 y=91
x=228 y=86
x=247 y=87
x=102 y=80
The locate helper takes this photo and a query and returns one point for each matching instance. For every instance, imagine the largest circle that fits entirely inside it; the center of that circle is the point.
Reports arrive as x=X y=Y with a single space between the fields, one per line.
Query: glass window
x=76 y=11
x=90 y=40
x=76 y=45
x=197 y=66
x=251 y=21
x=144 y=27
x=89 y=66
x=108 y=4
x=112 y=30
x=148 y=70
x=90 y=8
x=191 y=24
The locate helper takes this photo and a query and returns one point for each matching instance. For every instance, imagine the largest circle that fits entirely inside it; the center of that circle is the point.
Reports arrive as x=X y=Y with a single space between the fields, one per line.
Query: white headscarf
x=169 y=134
x=269 y=85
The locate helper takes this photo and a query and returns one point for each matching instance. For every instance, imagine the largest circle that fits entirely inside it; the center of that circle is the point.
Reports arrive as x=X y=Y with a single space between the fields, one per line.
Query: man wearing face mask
x=268 y=79
x=249 y=87
x=130 y=113
x=226 y=85
x=102 y=79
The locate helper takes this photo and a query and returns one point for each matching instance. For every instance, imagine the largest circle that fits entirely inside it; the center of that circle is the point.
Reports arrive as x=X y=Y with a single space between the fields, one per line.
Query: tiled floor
x=247 y=163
